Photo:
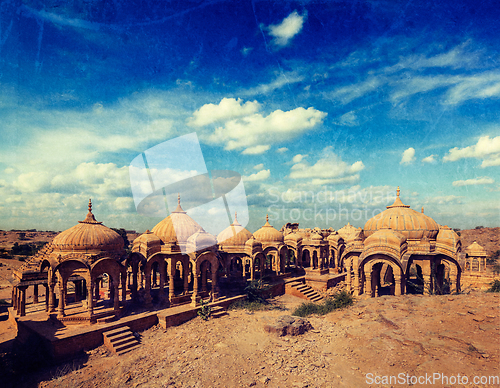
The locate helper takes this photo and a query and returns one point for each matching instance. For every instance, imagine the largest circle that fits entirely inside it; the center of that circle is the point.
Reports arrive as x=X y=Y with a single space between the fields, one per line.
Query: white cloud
x=259 y=166
x=346 y=94
x=298 y=158
x=9 y=170
x=349 y=119
x=287 y=29
x=485 y=148
x=282 y=80
x=429 y=159
x=255 y=133
x=475 y=181
x=258 y=176
x=408 y=156
x=329 y=168
x=281 y=150
x=256 y=150
x=228 y=108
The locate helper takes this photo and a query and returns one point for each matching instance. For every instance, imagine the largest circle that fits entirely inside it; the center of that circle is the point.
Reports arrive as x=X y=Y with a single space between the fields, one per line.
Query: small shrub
x=339 y=301
x=494 y=286
x=250 y=306
x=255 y=292
x=205 y=311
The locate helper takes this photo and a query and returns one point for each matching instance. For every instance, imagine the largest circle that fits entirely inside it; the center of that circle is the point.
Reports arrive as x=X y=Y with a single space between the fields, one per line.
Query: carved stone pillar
x=116 y=299
x=147 y=296
x=46 y=297
x=90 y=299
x=52 y=297
x=123 y=278
x=14 y=298
x=215 y=286
x=62 y=299
x=397 y=280
x=348 y=277
x=35 y=294
x=194 y=298
x=186 y=278
x=22 y=304
x=368 y=280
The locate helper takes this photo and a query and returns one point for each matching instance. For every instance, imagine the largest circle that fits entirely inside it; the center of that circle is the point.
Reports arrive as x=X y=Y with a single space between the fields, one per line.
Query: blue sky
x=324 y=107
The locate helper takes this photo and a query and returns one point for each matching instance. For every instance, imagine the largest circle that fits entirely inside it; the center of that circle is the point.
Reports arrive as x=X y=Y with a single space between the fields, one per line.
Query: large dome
x=268 y=234
x=234 y=235
x=178 y=226
x=401 y=218
x=88 y=235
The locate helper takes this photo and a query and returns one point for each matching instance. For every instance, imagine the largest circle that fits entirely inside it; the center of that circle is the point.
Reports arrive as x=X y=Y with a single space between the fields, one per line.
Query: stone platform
x=62 y=342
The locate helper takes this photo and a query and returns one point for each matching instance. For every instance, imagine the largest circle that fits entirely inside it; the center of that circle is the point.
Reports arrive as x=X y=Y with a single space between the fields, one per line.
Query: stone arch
x=379 y=267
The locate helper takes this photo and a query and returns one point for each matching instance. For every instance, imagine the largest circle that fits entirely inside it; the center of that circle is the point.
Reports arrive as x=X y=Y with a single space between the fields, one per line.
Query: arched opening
x=415 y=280
x=306 y=258
x=441 y=282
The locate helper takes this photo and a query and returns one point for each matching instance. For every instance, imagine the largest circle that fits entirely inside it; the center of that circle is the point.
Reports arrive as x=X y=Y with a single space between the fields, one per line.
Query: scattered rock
x=288 y=325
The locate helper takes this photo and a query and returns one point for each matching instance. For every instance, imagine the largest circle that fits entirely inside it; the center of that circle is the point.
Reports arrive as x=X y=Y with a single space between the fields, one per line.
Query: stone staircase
x=121 y=340
x=217 y=312
x=306 y=291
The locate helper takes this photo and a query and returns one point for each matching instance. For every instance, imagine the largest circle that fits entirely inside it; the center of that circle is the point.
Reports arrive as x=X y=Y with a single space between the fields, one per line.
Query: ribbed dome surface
x=400 y=217
x=348 y=232
x=268 y=234
x=89 y=234
x=385 y=236
x=234 y=235
x=178 y=226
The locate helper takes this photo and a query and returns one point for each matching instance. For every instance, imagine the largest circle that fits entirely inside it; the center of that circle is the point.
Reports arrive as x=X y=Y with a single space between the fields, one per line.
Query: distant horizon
x=323 y=107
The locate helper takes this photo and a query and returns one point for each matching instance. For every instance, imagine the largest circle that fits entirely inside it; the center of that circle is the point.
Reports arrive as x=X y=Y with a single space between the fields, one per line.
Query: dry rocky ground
x=388 y=336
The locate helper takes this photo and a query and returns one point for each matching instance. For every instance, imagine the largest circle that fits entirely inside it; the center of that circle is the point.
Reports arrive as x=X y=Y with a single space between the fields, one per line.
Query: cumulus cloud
x=258 y=176
x=429 y=159
x=259 y=166
x=328 y=169
x=298 y=158
x=256 y=150
x=485 y=148
x=408 y=156
x=281 y=150
x=287 y=29
x=228 y=108
x=475 y=181
x=255 y=133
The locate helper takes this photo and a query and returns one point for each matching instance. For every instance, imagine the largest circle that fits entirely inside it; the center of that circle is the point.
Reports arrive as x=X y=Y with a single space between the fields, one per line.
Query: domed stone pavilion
x=273 y=247
x=82 y=255
x=402 y=250
x=176 y=251
x=241 y=253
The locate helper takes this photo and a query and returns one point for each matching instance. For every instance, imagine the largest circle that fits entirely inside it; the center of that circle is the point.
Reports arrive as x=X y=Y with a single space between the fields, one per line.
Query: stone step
x=309 y=292
x=127 y=350
x=120 y=340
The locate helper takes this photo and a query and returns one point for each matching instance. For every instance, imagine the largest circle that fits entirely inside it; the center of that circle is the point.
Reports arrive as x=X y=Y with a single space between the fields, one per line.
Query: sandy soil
x=406 y=336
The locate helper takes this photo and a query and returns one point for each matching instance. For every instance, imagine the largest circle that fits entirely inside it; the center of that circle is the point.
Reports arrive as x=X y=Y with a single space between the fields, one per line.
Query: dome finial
x=179 y=208
x=90 y=219
x=398 y=191
x=235 y=217
x=267 y=217
x=422 y=211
